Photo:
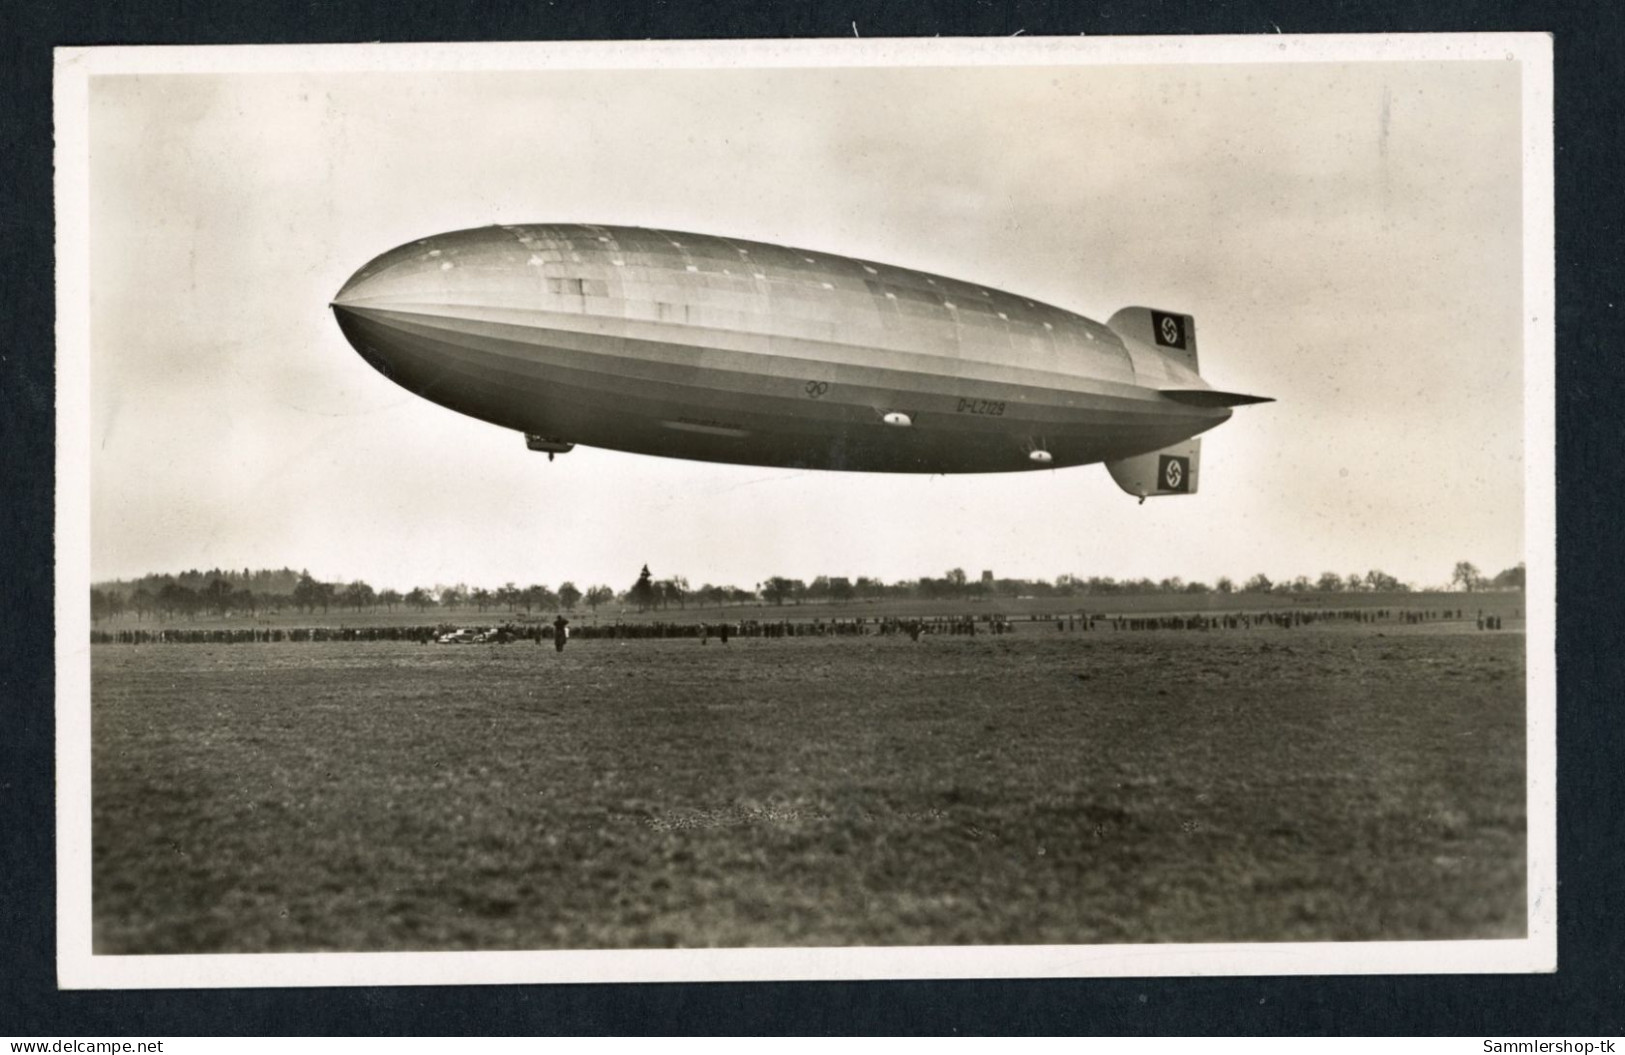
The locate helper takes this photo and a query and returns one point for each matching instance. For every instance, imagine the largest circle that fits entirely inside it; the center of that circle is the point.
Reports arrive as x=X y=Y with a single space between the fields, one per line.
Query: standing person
x=561 y=633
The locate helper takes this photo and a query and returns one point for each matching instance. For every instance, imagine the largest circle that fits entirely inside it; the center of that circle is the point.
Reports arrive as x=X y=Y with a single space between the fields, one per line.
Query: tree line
x=252 y=593
x=223 y=593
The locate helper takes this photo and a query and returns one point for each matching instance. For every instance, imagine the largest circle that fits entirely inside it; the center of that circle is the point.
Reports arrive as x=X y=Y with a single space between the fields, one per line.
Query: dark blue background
x=1586 y=996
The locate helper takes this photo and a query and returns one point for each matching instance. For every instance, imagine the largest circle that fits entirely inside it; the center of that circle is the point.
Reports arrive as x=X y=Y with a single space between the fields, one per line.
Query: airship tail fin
x=1169 y=332
x=1173 y=470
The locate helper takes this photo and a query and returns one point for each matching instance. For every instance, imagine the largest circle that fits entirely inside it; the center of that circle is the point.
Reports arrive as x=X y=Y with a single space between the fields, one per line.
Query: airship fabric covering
x=662 y=342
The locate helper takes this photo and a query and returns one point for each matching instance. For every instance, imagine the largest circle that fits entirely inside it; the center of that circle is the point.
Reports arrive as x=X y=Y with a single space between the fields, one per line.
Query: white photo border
x=78 y=967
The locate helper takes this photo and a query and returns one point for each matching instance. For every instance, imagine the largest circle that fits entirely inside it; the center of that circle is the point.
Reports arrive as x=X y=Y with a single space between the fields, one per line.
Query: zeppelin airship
x=719 y=349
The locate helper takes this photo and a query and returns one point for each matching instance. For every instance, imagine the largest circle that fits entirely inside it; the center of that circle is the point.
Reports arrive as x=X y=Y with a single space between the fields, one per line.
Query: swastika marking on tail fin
x=1168 y=329
x=1174 y=474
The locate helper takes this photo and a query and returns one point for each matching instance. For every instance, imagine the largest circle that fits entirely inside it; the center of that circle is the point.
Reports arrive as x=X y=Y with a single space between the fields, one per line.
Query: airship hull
x=687 y=346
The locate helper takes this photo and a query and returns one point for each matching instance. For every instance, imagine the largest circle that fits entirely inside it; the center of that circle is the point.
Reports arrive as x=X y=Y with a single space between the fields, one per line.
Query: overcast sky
x=1348 y=238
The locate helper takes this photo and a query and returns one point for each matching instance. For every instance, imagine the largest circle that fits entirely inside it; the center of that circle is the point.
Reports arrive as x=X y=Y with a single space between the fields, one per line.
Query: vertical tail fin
x=1174 y=470
x=1172 y=334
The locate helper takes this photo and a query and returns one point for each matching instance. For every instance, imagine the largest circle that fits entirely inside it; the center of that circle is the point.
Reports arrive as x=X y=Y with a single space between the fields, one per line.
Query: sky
x=1348 y=238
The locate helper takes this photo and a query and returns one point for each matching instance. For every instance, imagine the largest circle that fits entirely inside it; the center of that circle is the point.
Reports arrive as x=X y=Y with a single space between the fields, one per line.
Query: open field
x=1350 y=782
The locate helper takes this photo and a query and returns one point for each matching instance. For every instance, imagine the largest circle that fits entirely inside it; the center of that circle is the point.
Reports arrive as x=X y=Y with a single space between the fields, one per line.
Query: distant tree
x=1329 y=582
x=1466 y=576
x=597 y=595
x=217 y=596
x=420 y=598
x=1379 y=581
x=454 y=596
x=841 y=589
x=305 y=593
x=642 y=592
x=481 y=597
x=389 y=598
x=1197 y=587
x=105 y=604
x=1259 y=583
x=174 y=599
x=957 y=581
x=1172 y=585
x=244 y=601
x=358 y=595
x=1225 y=585
x=142 y=601
x=569 y=596
x=776 y=589
x=669 y=591
x=1354 y=582
x=1509 y=579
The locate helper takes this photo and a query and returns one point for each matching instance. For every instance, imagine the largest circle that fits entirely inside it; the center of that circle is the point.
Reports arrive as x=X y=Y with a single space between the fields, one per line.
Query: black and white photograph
x=843 y=509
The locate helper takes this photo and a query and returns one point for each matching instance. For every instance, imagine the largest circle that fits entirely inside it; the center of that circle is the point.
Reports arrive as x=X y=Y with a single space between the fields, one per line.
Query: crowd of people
x=560 y=630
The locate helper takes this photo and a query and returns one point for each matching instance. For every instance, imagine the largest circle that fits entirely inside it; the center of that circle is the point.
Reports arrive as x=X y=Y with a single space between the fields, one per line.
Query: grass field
x=1351 y=782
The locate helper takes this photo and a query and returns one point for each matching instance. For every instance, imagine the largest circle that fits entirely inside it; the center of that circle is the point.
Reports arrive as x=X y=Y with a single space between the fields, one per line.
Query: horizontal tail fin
x=1173 y=470
x=1207 y=397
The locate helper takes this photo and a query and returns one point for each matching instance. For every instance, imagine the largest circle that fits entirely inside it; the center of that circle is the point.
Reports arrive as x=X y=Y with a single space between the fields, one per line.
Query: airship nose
x=362 y=307
x=364 y=337
x=358 y=323
x=408 y=280
x=407 y=312
x=400 y=275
